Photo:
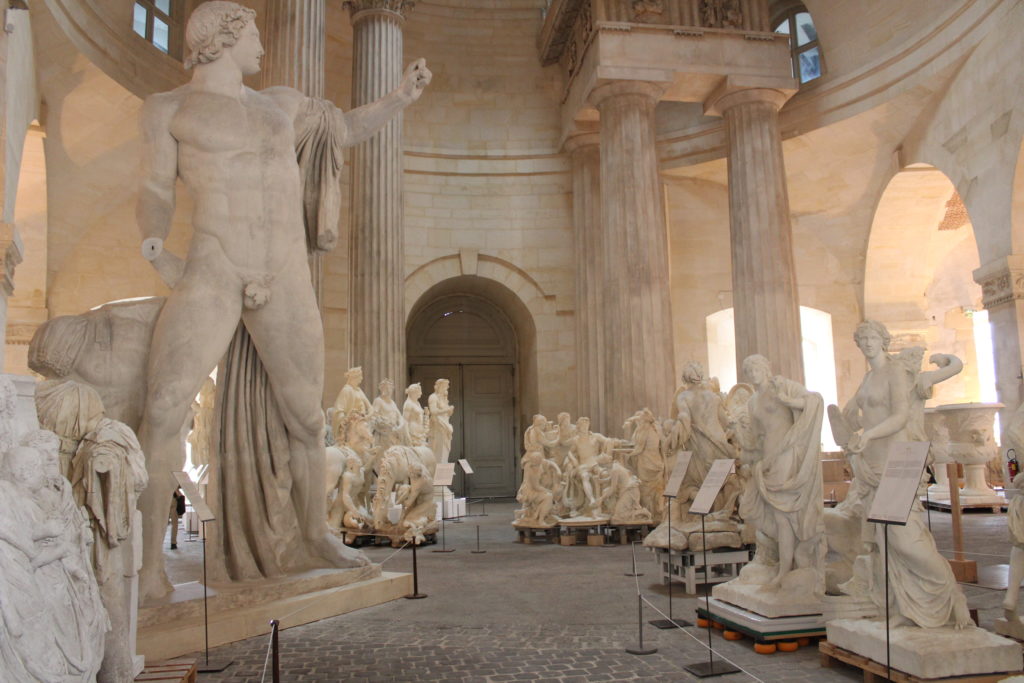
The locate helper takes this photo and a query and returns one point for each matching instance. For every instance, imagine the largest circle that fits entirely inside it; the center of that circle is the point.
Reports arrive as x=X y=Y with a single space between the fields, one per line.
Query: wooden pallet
x=182 y=670
x=873 y=671
x=529 y=535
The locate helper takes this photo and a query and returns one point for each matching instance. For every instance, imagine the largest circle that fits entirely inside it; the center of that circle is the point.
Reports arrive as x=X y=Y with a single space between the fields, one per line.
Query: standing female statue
x=412 y=413
x=441 y=429
x=924 y=590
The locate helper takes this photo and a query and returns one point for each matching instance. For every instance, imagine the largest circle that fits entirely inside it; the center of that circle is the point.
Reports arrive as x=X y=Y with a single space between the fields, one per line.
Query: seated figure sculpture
x=536 y=498
x=620 y=497
x=245 y=289
x=779 y=433
x=582 y=471
x=351 y=399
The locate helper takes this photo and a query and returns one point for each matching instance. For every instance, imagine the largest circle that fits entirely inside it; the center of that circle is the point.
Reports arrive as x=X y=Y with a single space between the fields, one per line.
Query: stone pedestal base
x=756 y=599
x=928 y=652
x=847 y=607
x=759 y=627
x=240 y=611
x=1010 y=629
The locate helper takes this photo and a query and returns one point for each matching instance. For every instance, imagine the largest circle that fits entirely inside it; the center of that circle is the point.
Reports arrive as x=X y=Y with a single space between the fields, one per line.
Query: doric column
x=377 y=264
x=636 y=312
x=586 y=214
x=765 y=299
x=1002 y=291
x=294 y=44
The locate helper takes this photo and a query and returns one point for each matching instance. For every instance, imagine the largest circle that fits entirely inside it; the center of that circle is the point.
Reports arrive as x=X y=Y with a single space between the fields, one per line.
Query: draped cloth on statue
x=258 y=533
x=785 y=487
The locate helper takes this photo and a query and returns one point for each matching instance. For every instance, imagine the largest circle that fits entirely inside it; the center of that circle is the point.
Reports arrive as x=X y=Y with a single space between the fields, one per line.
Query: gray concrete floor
x=538 y=613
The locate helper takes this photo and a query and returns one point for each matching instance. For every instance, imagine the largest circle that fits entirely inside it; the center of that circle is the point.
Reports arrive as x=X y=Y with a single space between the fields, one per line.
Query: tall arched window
x=793 y=19
x=160 y=22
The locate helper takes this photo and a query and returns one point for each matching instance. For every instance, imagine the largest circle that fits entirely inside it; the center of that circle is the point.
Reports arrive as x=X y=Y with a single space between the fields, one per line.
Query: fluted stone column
x=636 y=313
x=377 y=304
x=294 y=44
x=1002 y=292
x=586 y=209
x=765 y=298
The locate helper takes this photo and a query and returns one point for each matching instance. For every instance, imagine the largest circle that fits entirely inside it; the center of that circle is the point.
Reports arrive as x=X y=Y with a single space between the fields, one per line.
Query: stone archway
x=918 y=277
x=460 y=331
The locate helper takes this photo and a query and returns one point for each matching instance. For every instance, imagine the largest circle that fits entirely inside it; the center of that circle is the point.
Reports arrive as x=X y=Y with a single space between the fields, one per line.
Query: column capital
x=582 y=141
x=610 y=89
x=1002 y=280
x=364 y=9
x=737 y=90
x=11 y=254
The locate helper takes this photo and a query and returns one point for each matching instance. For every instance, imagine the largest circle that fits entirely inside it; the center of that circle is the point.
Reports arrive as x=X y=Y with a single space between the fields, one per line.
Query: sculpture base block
x=848 y=607
x=244 y=610
x=756 y=599
x=760 y=628
x=1010 y=629
x=928 y=652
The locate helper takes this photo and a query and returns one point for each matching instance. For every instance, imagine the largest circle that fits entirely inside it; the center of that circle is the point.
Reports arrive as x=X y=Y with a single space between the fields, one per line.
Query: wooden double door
x=484 y=423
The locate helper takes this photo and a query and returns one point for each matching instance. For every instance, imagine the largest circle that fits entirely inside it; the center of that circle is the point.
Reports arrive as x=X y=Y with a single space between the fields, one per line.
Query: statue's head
x=563 y=418
x=539 y=421
x=694 y=373
x=441 y=386
x=213 y=26
x=48 y=445
x=870 y=328
x=414 y=391
x=354 y=375
x=23 y=465
x=756 y=365
x=386 y=387
x=583 y=424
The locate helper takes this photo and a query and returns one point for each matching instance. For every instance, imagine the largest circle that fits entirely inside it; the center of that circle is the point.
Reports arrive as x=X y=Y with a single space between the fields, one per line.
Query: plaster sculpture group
x=380 y=461
x=242 y=298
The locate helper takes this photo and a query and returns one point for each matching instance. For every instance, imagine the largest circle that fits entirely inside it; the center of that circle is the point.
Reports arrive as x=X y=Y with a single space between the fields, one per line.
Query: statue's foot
x=773 y=586
x=153 y=586
x=899 y=620
x=338 y=554
x=1010 y=614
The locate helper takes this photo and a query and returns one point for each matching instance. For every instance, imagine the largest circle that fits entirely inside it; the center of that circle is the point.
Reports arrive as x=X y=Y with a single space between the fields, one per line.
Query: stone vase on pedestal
x=938 y=433
x=971 y=443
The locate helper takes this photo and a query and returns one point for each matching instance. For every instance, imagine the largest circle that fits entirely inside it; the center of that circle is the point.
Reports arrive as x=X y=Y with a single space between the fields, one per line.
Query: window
x=795 y=21
x=159 y=22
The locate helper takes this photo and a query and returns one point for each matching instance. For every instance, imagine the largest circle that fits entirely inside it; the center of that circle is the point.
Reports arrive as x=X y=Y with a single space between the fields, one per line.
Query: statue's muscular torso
x=237 y=158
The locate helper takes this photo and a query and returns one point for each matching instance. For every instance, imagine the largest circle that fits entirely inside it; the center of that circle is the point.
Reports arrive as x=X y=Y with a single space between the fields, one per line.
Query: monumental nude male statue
x=234 y=149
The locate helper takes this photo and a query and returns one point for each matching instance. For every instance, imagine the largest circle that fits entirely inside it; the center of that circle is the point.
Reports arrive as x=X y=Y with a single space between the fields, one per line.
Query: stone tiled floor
x=534 y=613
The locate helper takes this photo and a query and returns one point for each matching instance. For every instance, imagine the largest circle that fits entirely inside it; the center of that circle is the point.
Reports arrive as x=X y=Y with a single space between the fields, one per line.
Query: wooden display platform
x=181 y=670
x=361 y=538
x=873 y=671
x=945 y=506
x=683 y=565
x=533 y=534
x=625 y=531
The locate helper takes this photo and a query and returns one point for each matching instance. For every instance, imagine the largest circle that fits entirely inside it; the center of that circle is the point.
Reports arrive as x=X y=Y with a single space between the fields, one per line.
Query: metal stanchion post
x=275 y=625
x=416 y=595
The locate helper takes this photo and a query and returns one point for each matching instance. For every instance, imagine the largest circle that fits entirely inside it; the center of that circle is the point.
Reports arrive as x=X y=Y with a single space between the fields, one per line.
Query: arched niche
x=477 y=333
x=918 y=278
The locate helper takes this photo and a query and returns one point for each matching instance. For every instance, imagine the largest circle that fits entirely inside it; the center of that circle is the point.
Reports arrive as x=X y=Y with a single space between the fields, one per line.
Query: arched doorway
x=468 y=340
x=918 y=279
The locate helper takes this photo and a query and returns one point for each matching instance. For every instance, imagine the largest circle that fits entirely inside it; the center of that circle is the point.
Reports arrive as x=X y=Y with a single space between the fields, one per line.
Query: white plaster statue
x=441 y=429
x=8 y=413
x=650 y=461
x=1011 y=624
x=888 y=407
x=780 y=436
x=108 y=474
x=414 y=415
x=581 y=473
x=399 y=466
x=246 y=289
x=52 y=622
x=566 y=432
x=69 y=409
x=621 y=494
x=350 y=399
x=348 y=510
x=535 y=493
x=201 y=435
x=419 y=512
x=699 y=430
x=388 y=424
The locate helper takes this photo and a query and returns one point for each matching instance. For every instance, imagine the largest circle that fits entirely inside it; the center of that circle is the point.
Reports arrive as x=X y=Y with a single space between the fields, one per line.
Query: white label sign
x=192 y=493
x=705 y=498
x=444 y=474
x=678 y=472
x=465 y=466
x=900 y=481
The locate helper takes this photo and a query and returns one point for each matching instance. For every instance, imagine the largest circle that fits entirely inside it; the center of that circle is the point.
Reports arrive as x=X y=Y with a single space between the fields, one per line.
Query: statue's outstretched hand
x=416 y=77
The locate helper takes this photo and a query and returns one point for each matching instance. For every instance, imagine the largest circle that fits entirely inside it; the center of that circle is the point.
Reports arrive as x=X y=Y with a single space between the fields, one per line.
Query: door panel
x=488 y=428
x=483 y=422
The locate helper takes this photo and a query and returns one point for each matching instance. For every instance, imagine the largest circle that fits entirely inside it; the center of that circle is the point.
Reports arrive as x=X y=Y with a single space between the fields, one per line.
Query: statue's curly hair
x=213 y=26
